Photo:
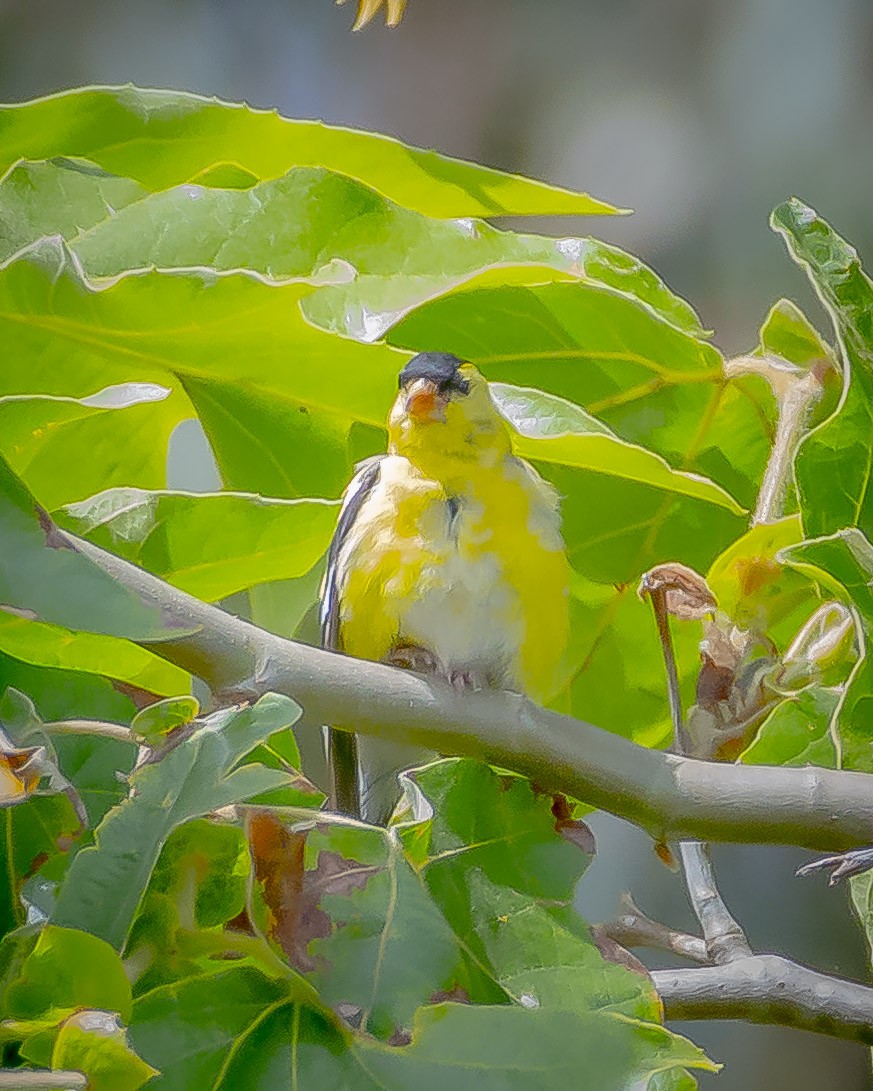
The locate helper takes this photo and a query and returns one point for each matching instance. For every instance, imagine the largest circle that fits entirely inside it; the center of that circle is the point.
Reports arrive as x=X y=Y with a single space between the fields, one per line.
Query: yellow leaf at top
x=368 y=9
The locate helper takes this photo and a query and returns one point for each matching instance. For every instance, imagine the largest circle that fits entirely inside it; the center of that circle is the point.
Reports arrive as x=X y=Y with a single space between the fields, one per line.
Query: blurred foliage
x=174 y=898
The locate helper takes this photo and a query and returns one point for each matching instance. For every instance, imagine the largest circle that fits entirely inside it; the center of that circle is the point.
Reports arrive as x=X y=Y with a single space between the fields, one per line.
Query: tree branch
x=632 y=928
x=671 y=797
x=20 y=1078
x=724 y=937
x=769 y=989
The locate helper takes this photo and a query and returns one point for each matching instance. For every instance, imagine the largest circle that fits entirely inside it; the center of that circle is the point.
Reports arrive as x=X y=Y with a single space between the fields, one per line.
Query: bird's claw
x=842 y=866
x=463 y=681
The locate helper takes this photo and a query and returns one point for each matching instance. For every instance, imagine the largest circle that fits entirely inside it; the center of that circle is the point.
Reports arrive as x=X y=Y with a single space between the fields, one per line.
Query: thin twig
x=725 y=939
x=658 y=595
x=632 y=928
x=91 y=727
x=769 y=989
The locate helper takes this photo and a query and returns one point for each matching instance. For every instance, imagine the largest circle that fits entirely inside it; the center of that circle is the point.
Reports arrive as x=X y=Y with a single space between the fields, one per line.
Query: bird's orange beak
x=423 y=400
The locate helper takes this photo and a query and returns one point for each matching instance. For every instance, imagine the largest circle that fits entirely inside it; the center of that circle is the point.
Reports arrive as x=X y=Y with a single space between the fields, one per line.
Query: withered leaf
x=686 y=592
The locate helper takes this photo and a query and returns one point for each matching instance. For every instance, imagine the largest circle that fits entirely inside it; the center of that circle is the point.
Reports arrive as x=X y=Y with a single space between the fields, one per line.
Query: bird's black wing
x=359 y=489
x=342 y=745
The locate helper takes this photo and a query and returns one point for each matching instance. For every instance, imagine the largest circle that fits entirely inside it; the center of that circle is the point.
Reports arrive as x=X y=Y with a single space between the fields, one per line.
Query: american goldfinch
x=447 y=559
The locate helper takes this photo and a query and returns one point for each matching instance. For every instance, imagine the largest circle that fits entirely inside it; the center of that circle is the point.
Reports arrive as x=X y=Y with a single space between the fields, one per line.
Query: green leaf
x=93 y=1042
x=106 y=882
x=299 y=223
x=755 y=590
x=360 y=923
x=162 y=138
x=236 y=328
x=199 y=882
x=650 y=381
x=189 y=1028
x=68 y=448
x=545 y=956
x=61 y=197
x=209 y=545
x=154 y=722
x=43 y=579
x=834 y=462
x=861 y=887
x=787 y=333
x=845 y=561
x=67 y=969
x=237 y=1029
x=204 y=867
x=53 y=647
x=510 y=1048
x=624 y=507
x=39 y=834
x=503 y=866
x=262 y=441
x=613 y=636
x=798 y=732
x=292 y=226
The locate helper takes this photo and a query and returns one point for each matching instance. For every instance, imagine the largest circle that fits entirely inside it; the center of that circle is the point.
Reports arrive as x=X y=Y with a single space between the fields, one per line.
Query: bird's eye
x=457 y=384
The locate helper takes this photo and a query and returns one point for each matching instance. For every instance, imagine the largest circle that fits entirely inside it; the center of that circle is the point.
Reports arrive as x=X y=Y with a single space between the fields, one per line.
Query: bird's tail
x=380 y=762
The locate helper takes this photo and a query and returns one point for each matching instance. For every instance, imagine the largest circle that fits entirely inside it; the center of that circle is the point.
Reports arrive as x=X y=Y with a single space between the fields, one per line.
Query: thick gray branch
x=673 y=798
x=20 y=1079
x=769 y=989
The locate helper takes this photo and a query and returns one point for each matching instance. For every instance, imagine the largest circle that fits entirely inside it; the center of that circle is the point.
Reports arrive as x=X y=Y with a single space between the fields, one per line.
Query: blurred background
x=699 y=115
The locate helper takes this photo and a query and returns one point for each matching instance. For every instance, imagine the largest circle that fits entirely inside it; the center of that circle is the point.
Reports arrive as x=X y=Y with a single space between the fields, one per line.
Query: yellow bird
x=447 y=559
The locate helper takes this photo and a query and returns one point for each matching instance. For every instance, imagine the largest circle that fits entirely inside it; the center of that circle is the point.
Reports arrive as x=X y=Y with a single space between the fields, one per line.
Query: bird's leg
x=412 y=657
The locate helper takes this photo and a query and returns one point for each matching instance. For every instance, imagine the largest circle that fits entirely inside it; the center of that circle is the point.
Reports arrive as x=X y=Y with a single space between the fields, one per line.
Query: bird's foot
x=842 y=866
x=411 y=657
x=463 y=681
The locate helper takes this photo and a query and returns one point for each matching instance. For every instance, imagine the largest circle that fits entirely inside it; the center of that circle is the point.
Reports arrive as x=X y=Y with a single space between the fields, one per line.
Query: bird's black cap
x=440 y=367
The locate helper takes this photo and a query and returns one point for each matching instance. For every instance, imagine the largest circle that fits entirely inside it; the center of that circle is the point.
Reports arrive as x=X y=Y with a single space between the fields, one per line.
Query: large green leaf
x=503 y=864
x=162 y=138
x=833 y=466
x=232 y=327
x=292 y=226
x=360 y=924
x=265 y=442
x=648 y=379
x=52 y=646
x=798 y=731
x=199 y=884
x=69 y=448
x=67 y=969
x=845 y=560
x=43 y=579
x=211 y=545
x=106 y=882
x=237 y=1029
x=61 y=197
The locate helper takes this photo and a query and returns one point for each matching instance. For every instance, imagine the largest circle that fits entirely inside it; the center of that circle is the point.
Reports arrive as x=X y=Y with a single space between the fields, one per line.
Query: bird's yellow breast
x=463 y=558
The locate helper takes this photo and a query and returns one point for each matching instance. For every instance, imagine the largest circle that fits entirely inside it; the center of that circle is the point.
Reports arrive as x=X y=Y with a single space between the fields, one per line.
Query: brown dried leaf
x=687 y=593
x=572 y=829
x=291 y=893
x=20 y=773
